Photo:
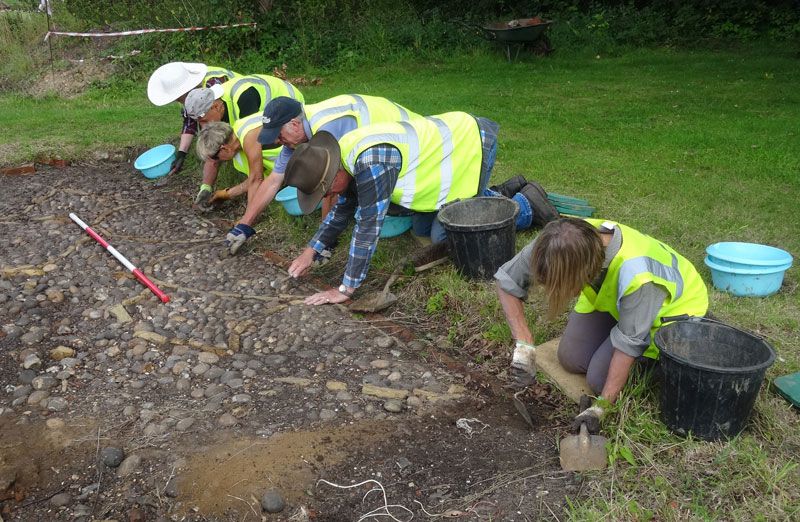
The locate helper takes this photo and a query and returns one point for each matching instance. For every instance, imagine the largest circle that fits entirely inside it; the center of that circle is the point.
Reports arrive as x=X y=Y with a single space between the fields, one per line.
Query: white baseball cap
x=172 y=80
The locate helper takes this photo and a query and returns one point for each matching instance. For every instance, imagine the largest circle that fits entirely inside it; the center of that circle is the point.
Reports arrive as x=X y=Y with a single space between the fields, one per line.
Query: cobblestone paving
x=84 y=344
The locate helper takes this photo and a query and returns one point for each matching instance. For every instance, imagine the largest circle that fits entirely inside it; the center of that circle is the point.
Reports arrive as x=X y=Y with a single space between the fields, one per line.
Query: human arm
x=210 y=170
x=255 y=160
x=630 y=337
x=514 y=311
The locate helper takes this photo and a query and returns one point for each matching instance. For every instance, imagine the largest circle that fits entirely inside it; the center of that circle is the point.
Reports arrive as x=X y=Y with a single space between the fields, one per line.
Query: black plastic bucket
x=480 y=233
x=712 y=373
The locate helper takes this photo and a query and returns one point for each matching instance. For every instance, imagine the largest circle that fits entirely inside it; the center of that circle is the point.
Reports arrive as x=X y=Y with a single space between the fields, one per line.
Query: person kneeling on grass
x=629 y=284
x=420 y=165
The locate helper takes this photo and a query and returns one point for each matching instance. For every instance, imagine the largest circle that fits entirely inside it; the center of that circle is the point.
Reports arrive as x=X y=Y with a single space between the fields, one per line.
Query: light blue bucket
x=395 y=225
x=747 y=269
x=156 y=162
x=288 y=198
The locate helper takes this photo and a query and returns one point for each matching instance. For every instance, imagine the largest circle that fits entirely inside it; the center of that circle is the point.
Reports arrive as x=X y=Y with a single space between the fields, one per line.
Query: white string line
x=379 y=511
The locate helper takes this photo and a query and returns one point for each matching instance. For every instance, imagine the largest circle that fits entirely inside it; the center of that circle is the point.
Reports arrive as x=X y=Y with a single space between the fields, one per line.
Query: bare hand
x=302 y=263
x=331 y=296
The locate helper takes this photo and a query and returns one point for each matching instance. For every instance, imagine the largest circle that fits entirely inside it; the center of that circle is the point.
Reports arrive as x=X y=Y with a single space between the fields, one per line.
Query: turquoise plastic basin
x=156 y=162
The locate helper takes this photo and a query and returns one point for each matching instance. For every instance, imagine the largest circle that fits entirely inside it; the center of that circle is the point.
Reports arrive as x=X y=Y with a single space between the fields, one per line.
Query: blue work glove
x=237 y=236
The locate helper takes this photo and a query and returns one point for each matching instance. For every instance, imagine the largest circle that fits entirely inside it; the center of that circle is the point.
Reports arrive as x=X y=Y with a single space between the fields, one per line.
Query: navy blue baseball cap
x=277 y=112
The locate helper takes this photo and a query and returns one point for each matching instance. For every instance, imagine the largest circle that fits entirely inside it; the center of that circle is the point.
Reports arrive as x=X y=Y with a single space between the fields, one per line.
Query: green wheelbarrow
x=519 y=32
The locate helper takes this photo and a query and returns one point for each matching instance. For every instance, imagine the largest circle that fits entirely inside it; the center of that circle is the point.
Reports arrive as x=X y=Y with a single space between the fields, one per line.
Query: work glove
x=177 y=163
x=523 y=366
x=591 y=415
x=203 y=197
x=321 y=259
x=237 y=236
x=219 y=195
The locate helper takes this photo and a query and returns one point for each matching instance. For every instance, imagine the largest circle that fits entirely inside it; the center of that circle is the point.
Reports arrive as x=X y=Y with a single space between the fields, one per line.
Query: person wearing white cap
x=172 y=82
x=229 y=103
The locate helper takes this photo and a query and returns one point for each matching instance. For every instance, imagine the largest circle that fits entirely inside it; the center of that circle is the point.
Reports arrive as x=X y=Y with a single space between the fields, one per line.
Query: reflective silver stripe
x=240 y=162
x=290 y=88
x=638 y=265
x=358 y=106
x=446 y=166
x=246 y=122
x=410 y=138
x=363 y=110
x=215 y=72
x=248 y=82
x=403 y=112
x=408 y=182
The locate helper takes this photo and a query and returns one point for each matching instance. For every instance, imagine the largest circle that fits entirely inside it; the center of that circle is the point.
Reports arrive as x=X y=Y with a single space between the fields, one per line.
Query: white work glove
x=523 y=365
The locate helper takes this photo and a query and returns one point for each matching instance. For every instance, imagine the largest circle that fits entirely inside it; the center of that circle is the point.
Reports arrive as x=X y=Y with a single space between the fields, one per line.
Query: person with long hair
x=628 y=284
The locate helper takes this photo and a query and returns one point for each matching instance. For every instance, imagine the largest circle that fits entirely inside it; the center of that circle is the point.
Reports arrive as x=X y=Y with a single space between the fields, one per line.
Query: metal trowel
x=522 y=409
x=583 y=452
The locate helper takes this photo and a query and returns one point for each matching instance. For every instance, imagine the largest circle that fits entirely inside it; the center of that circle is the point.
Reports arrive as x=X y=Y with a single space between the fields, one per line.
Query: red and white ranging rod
x=122 y=259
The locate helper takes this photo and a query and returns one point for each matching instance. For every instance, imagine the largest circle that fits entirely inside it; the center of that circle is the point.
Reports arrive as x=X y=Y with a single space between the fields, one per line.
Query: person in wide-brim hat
x=171 y=83
x=312 y=169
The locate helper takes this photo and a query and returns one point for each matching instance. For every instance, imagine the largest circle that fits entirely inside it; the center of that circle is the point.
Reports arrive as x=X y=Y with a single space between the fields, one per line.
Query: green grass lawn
x=691 y=147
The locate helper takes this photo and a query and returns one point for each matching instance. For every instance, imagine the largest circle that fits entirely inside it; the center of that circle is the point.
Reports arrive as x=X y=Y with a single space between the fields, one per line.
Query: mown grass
x=691 y=147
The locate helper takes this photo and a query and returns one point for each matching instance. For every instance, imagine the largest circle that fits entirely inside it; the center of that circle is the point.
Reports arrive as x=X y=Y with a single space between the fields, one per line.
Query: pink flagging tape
x=144 y=31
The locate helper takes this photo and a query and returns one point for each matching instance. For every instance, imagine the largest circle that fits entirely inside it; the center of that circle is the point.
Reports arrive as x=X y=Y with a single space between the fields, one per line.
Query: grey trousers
x=586 y=347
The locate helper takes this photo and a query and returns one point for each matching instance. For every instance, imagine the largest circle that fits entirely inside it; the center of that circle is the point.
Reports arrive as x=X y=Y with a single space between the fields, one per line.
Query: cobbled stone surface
x=228 y=351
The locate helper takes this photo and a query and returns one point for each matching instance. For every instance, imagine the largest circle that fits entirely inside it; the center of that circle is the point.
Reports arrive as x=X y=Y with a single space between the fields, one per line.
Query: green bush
x=346 y=34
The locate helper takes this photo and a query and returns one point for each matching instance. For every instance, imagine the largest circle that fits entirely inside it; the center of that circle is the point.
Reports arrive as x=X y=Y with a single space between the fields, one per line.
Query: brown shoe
x=543 y=211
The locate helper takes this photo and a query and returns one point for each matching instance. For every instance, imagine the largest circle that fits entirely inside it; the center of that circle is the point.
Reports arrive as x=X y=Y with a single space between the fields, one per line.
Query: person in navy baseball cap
x=277 y=112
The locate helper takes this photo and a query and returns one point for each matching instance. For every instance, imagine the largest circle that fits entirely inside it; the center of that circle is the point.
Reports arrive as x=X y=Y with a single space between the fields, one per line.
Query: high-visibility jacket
x=219 y=72
x=642 y=259
x=268 y=87
x=241 y=127
x=365 y=109
x=441 y=157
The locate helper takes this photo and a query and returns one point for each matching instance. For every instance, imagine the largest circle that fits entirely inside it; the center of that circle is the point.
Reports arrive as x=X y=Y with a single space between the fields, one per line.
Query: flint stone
x=112 y=457
x=272 y=501
x=31 y=361
x=128 y=465
x=38 y=396
x=61 y=352
x=57 y=404
x=227 y=420
x=393 y=406
x=44 y=382
x=60 y=500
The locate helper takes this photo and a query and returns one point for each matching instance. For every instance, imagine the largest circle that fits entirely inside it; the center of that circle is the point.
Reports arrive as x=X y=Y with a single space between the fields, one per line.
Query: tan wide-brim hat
x=312 y=168
x=172 y=80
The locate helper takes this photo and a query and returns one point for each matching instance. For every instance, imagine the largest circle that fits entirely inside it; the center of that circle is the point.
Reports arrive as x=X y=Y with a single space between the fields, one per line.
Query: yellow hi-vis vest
x=241 y=128
x=642 y=259
x=365 y=109
x=268 y=87
x=219 y=72
x=441 y=157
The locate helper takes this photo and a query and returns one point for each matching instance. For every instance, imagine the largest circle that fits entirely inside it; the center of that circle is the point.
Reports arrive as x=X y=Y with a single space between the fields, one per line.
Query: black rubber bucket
x=480 y=233
x=712 y=373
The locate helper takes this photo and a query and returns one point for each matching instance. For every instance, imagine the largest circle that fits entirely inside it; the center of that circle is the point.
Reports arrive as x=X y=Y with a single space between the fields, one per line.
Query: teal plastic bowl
x=395 y=225
x=747 y=269
x=156 y=162
x=288 y=198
